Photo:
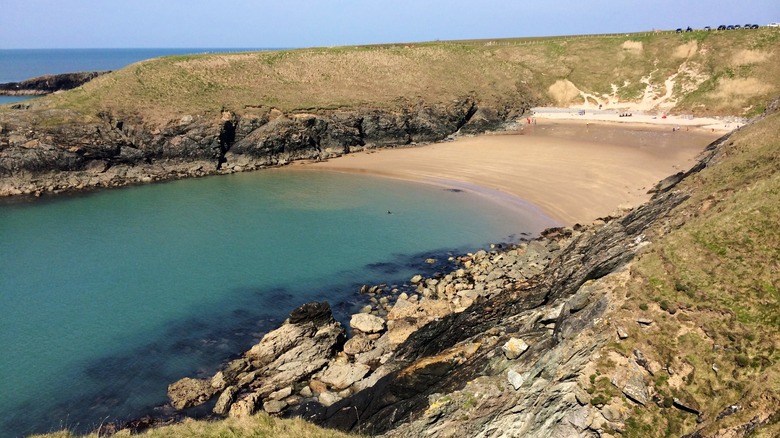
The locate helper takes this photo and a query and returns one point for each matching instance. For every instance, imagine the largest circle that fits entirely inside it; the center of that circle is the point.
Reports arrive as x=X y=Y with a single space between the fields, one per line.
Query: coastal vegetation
x=711 y=285
x=257 y=426
x=712 y=73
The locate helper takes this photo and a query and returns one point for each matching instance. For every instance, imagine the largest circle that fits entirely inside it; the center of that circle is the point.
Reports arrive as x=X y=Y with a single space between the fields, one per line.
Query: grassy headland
x=712 y=73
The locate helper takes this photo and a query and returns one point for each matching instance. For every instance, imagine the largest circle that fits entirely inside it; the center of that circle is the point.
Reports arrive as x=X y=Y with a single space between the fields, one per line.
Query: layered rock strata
x=39 y=156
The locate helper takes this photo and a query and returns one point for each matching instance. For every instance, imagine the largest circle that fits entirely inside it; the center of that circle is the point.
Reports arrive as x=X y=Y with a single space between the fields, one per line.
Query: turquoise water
x=109 y=297
x=11 y=99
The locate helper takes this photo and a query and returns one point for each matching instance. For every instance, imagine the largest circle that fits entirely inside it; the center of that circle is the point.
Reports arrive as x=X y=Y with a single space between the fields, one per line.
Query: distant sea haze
x=20 y=64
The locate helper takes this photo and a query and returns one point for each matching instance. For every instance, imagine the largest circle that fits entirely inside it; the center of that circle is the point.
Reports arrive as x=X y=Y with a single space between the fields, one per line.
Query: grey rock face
x=287 y=355
x=342 y=376
x=38 y=158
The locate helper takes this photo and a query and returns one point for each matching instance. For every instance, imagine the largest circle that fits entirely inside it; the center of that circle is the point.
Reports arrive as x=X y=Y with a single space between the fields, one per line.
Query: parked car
x=730 y=27
x=737 y=26
x=722 y=27
x=707 y=28
x=679 y=30
x=773 y=25
x=755 y=26
x=689 y=29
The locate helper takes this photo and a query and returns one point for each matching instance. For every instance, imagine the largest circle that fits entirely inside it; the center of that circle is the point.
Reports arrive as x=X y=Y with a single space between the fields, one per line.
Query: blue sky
x=307 y=23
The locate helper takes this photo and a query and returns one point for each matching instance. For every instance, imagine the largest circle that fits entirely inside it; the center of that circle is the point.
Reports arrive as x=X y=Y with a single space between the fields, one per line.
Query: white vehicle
x=773 y=25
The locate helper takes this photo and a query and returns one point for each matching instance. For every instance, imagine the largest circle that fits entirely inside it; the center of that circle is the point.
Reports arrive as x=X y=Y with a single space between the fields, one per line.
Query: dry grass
x=396 y=76
x=257 y=426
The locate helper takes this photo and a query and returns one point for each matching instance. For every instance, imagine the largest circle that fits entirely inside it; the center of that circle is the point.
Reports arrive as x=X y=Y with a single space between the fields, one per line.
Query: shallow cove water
x=108 y=297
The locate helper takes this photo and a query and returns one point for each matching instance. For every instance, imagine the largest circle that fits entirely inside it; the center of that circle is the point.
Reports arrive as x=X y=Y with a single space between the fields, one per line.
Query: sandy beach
x=575 y=171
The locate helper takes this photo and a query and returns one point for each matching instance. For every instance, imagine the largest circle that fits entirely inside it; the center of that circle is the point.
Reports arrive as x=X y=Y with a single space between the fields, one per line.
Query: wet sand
x=575 y=172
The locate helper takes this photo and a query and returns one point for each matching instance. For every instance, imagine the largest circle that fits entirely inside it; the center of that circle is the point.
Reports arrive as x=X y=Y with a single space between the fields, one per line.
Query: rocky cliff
x=38 y=156
x=47 y=84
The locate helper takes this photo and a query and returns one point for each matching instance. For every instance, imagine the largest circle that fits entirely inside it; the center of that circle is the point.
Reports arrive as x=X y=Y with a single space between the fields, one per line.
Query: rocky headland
x=38 y=158
x=48 y=84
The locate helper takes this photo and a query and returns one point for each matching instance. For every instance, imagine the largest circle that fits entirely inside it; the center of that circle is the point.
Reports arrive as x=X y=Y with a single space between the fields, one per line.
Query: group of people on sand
x=626 y=114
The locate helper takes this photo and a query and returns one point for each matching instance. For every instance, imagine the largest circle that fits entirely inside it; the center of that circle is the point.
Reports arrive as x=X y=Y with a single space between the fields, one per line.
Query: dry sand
x=574 y=171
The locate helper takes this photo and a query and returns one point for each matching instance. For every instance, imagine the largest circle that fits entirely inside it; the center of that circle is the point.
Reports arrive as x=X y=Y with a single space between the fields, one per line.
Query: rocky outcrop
x=53 y=150
x=47 y=84
x=266 y=373
x=521 y=385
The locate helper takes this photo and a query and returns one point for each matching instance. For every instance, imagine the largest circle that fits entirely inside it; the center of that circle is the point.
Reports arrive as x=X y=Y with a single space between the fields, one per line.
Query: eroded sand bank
x=573 y=171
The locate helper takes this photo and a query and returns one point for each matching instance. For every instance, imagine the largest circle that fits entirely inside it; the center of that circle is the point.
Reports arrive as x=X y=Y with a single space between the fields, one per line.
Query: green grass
x=720 y=269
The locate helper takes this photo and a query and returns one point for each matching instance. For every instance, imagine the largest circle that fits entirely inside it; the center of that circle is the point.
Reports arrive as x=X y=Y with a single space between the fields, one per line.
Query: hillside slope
x=729 y=73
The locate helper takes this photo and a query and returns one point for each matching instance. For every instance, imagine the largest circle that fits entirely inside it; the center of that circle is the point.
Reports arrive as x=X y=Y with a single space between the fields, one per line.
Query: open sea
x=109 y=296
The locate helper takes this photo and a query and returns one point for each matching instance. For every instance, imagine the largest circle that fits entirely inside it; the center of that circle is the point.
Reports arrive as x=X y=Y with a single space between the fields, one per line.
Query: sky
x=316 y=23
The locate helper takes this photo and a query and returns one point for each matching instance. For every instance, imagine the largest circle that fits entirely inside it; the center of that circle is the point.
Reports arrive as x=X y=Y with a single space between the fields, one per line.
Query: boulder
x=317 y=386
x=366 y=323
x=274 y=406
x=342 y=376
x=514 y=348
x=630 y=380
x=579 y=300
x=244 y=407
x=358 y=344
x=225 y=400
x=327 y=398
x=281 y=394
x=515 y=379
x=685 y=402
x=612 y=413
x=190 y=392
x=380 y=349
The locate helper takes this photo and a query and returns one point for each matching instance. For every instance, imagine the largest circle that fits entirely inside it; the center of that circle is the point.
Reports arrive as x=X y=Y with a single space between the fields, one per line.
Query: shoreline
x=572 y=171
x=631 y=117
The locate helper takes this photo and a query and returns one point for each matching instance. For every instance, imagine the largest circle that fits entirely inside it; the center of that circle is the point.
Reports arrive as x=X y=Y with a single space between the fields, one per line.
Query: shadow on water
x=132 y=383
